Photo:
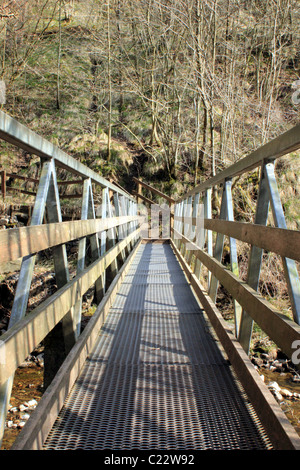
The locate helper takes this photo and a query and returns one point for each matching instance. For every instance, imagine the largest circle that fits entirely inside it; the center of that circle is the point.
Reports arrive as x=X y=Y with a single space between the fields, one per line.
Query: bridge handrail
x=268 y=197
x=28 y=332
x=276 y=325
x=153 y=190
x=23 y=241
x=283 y=242
x=281 y=146
x=21 y=136
x=185 y=232
x=110 y=240
x=189 y=229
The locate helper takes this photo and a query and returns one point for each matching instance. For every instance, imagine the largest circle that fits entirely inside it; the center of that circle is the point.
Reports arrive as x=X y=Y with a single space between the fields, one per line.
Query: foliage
x=196 y=84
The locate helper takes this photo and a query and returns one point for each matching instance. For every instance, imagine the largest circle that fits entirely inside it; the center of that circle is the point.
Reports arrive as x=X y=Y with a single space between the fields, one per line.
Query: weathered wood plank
x=17 y=134
x=283 y=242
x=278 y=147
x=17 y=343
x=19 y=242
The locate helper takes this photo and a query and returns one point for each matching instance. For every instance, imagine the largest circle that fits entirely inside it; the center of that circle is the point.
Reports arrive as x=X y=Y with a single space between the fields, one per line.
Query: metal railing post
x=219 y=245
x=61 y=339
x=255 y=259
x=289 y=265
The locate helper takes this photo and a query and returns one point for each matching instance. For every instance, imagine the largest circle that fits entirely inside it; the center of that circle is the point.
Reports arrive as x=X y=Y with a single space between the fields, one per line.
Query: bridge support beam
x=200 y=241
x=255 y=260
x=61 y=339
x=269 y=196
x=226 y=213
x=25 y=277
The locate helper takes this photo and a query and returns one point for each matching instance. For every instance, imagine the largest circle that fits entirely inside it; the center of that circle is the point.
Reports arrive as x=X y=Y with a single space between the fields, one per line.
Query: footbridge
x=157 y=366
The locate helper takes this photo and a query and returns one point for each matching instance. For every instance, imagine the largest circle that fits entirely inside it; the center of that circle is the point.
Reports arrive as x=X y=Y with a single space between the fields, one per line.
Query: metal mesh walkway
x=156 y=378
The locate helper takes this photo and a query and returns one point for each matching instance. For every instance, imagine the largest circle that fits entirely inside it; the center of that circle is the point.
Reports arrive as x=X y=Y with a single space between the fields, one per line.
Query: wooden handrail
x=154 y=190
x=32 y=329
x=36 y=180
x=283 y=242
x=282 y=330
x=19 y=135
x=274 y=420
x=278 y=147
x=23 y=241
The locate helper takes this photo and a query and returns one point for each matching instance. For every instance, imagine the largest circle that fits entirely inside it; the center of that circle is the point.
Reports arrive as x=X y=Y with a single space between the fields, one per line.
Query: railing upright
x=57 y=321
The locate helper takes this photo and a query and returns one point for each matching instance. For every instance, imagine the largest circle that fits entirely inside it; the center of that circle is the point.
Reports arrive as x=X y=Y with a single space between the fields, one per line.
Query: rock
x=274 y=386
x=264 y=356
x=32 y=403
x=40 y=360
x=10 y=424
x=296 y=378
x=13 y=409
x=278 y=365
x=25 y=417
x=275 y=389
x=21 y=424
x=24 y=364
x=296 y=395
x=257 y=361
x=277 y=395
x=23 y=407
x=287 y=367
x=286 y=393
x=4 y=221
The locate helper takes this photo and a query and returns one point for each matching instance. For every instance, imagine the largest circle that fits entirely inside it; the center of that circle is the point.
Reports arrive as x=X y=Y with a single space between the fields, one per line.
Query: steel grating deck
x=156 y=378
